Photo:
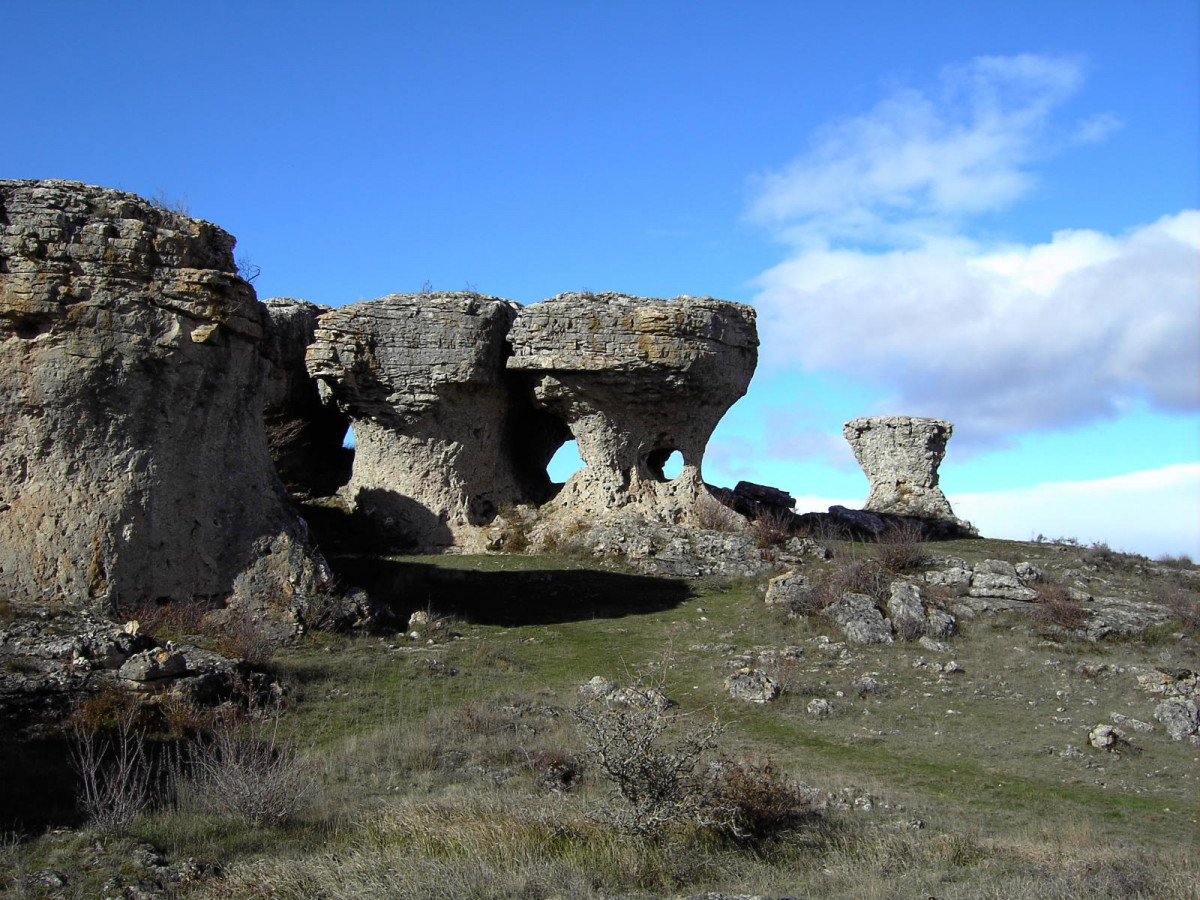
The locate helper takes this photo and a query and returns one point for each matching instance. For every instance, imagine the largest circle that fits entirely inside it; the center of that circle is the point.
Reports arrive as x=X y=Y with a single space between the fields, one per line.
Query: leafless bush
x=762 y=801
x=113 y=770
x=1183 y=604
x=656 y=784
x=1056 y=606
x=1182 y=561
x=856 y=574
x=243 y=636
x=713 y=515
x=771 y=527
x=248 y=770
x=899 y=547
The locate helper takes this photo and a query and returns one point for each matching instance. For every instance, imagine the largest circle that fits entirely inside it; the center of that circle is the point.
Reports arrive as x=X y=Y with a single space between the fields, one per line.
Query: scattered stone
x=597 y=688
x=752 y=686
x=819 y=708
x=791 y=589
x=1106 y=737
x=933 y=646
x=1133 y=724
x=905 y=610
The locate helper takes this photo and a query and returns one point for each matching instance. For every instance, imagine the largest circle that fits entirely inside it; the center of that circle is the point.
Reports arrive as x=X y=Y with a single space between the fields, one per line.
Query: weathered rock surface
x=133 y=462
x=1180 y=718
x=304 y=435
x=861 y=622
x=421 y=378
x=901 y=455
x=752 y=686
x=635 y=379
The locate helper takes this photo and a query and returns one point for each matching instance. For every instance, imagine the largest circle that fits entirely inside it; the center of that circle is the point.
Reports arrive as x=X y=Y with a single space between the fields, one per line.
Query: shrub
x=1056 y=606
x=656 y=784
x=899 y=547
x=247 y=771
x=1183 y=604
x=114 y=773
x=771 y=527
x=713 y=515
x=763 y=802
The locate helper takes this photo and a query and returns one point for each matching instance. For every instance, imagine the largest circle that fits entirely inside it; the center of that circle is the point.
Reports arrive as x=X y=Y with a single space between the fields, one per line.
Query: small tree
x=113 y=770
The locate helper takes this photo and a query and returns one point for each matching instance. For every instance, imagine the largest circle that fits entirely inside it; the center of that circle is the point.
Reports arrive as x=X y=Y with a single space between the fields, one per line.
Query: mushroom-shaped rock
x=304 y=435
x=421 y=378
x=900 y=456
x=635 y=379
x=133 y=459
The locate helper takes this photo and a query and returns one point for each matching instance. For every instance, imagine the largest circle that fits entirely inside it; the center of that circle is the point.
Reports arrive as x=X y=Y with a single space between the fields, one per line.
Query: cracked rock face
x=421 y=378
x=901 y=455
x=132 y=457
x=304 y=435
x=635 y=379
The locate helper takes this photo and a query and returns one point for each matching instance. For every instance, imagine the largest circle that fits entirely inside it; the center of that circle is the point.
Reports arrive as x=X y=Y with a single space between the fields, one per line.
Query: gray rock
x=933 y=646
x=791 y=589
x=752 y=686
x=133 y=461
x=906 y=610
x=861 y=622
x=939 y=623
x=1179 y=717
x=1105 y=737
x=819 y=708
x=154 y=665
x=421 y=378
x=634 y=379
x=1132 y=724
x=900 y=456
x=597 y=688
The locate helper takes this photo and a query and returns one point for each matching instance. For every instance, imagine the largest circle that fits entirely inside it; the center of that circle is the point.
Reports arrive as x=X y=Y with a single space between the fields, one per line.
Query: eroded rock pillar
x=635 y=379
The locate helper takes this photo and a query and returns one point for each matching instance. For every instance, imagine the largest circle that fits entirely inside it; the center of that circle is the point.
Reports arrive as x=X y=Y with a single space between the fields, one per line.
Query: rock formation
x=901 y=455
x=304 y=435
x=421 y=378
x=133 y=463
x=635 y=379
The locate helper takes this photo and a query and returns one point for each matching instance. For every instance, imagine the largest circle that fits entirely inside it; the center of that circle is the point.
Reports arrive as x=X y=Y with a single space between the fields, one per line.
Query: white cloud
x=916 y=162
x=1151 y=512
x=1001 y=340
x=998 y=338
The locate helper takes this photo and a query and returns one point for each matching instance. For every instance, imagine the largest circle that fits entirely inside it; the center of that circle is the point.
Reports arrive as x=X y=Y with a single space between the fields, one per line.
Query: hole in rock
x=565 y=462
x=348 y=439
x=664 y=464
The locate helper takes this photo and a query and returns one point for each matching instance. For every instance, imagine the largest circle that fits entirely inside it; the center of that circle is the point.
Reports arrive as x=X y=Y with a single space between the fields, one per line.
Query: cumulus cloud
x=1006 y=339
x=884 y=283
x=1151 y=512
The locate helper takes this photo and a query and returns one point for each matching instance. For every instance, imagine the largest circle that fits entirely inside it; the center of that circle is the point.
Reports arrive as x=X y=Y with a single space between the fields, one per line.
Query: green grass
x=427 y=780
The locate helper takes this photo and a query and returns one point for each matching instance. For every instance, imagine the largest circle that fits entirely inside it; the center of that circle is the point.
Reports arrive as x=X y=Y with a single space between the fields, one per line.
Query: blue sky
x=984 y=212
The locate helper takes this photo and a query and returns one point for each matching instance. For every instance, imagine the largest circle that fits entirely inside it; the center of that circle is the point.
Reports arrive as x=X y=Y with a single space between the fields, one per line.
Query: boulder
x=1180 y=718
x=861 y=622
x=752 y=686
x=900 y=456
x=133 y=461
x=634 y=379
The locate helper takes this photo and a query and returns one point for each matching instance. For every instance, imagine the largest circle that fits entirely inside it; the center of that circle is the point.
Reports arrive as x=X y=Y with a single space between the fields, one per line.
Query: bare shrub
x=762 y=801
x=899 y=548
x=243 y=636
x=771 y=527
x=113 y=769
x=713 y=515
x=248 y=771
x=173 y=619
x=1183 y=604
x=1055 y=606
x=1182 y=561
x=555 y=770
x=854 y=574
x=656 y=784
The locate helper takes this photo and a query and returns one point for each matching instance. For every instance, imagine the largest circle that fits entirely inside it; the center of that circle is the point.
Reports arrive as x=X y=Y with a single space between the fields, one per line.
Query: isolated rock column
x=421 y=378
x=635 y=379
x=133 y=463
x=900 y=456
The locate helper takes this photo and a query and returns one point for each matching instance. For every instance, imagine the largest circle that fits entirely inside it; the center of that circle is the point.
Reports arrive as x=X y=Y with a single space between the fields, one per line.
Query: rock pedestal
x=421 y=378
x=635 y=379
x=900 y=456
x=133 y=463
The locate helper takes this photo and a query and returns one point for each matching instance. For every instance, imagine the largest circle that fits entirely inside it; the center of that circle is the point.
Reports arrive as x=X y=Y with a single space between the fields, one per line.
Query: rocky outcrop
x=635 y=379
x=304 y=435
x=900 y=456
x=133 y=463
x=421 y=378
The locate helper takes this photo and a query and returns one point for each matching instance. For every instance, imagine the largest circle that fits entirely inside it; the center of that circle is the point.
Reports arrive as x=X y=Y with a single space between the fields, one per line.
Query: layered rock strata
x=421 y=378
x=635 y=379
x=133 y=462
x=900 y=456
x=304 y=435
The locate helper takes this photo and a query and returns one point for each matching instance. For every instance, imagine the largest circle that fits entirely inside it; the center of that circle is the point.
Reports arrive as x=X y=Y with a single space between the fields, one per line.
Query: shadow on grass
x=514 y=597
x=37 y=785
